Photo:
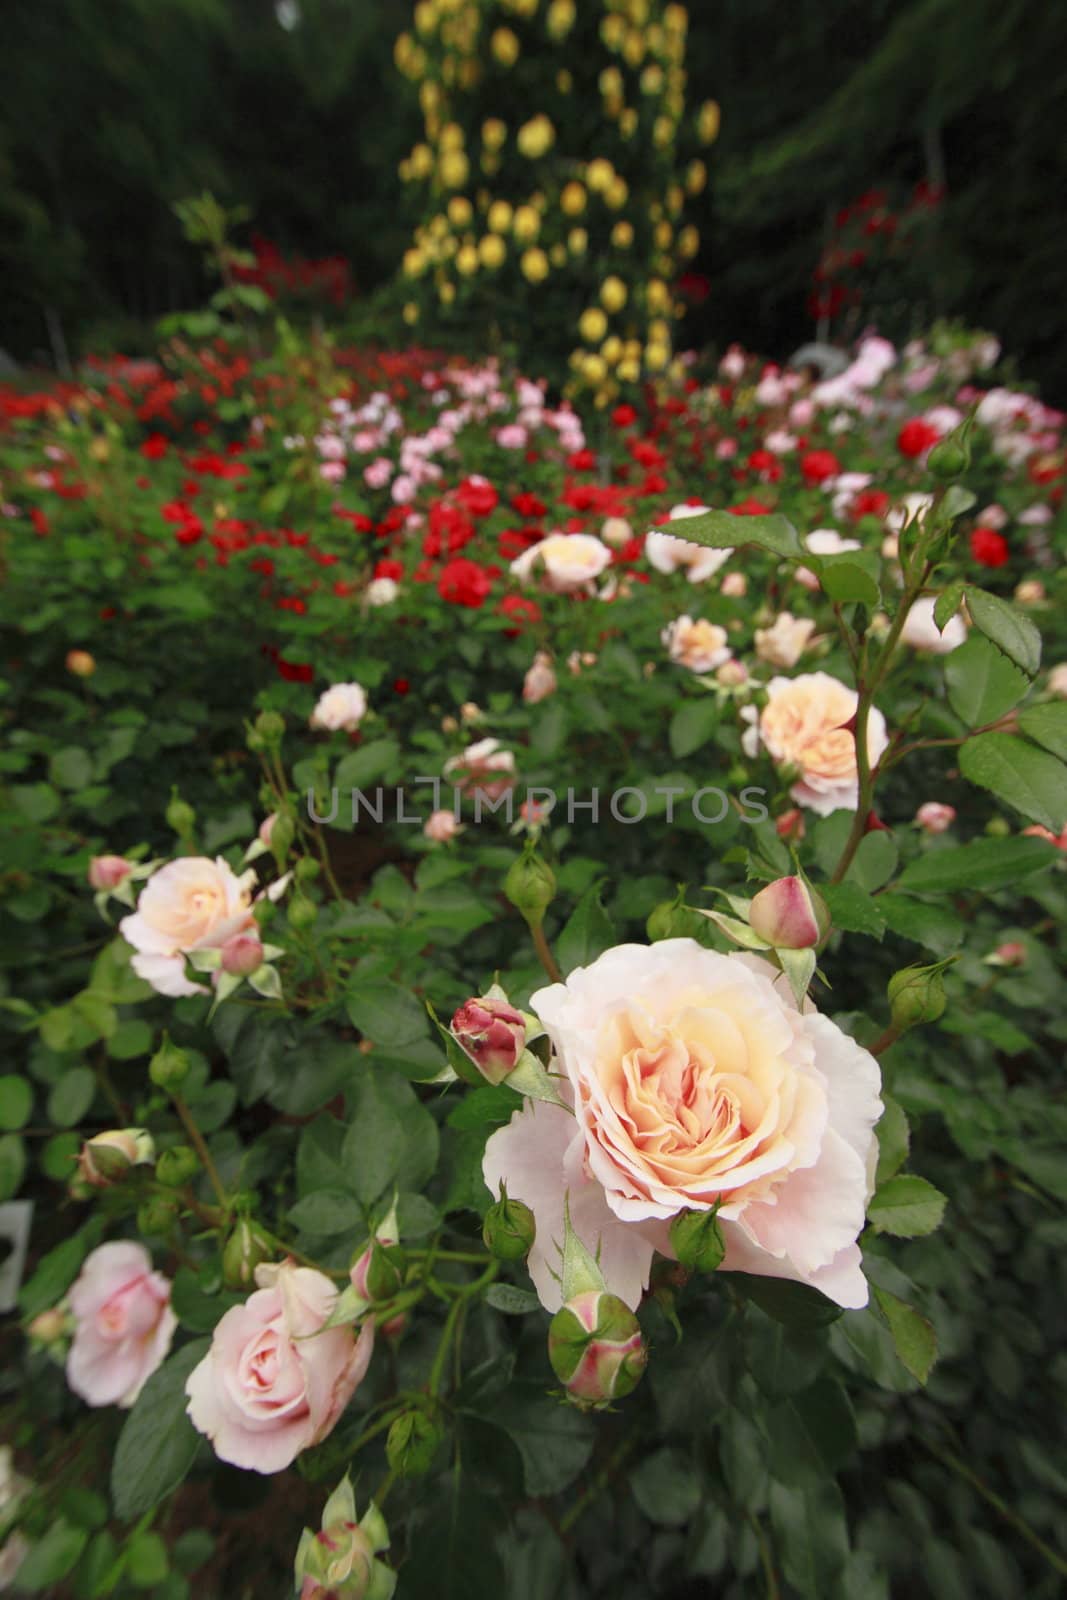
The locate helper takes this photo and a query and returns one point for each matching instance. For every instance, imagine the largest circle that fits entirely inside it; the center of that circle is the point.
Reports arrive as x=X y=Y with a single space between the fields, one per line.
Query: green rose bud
x=169 y=1067
x=951 y=456
x=673 y=919
x=270 y=725
x=302 y=912
x=156 y=1216
x=180 y=816
x=177 y=1166
x=412 y=1442
x=282 y=834
x=385 y=1271
x=596 y=1349
x=530 y=886
x=246 y=1248
x=697 y=1241
x=916 y=995
x=307 y=869
x=509 y=1229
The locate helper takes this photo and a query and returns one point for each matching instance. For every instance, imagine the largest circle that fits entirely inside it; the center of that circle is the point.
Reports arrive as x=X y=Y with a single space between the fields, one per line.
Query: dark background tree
x=114 y=109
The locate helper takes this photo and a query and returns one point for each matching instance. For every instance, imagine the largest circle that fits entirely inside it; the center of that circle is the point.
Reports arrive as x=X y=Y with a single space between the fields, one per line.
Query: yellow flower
x=467 y=261
x=663 y=234
x=536 y=137
x=594 y=368
x=404 y=172
x=564 y=81
x=617 y=193
x=676 y=19
x=622 y=235
x=708 y=122
x=526 y=224
x=560 y=18
x=611 y=349
x=613 y=32
x=425 y=17
x=494 y=132
x=611 y=84
x=657 y=356
x=592 y=325
x=651 y=79
x=451 y=136
x=599 y=174
x=577 y=241
x=460 y=211
x=659 y=331
x=633 y=47
x=572 y=199
x=414 y=263
x=675 y=199
x=613 y=293
x=454 y=169
x=505 y=47
x=499 y=218
x=410 y=314
x=492 y=251
x=446 y=293
x=662 y=132
x=421 y=161
x=688 y=242
x=629 y=370
x=534 y=265
x=628 y=123
x=696 y=176
x=657 y=294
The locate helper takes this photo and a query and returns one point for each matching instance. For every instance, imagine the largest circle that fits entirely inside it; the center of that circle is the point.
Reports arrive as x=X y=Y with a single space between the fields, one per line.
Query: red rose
x=818 y=465
x=582 y=461
x=463 y=583
x=528 y=504
x=154 y=447
x=477 y=496
x=389 y=569
x=916 y=437
x=518 y=609
x=869 y=503
x=989 y=547
x=624 y=416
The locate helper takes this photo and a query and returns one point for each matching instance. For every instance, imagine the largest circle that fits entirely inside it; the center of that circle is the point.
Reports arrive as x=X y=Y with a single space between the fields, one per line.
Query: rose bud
x=378 y=1272
x=789 y=915
x=530 y=886
x=411 y=1443
x=107 y=872
x=673 y=919
x=246 y=1249
x=790 y=825
x=169 y=1067
x=80 y=663
x=916 y=995
x=51 y=1329
x=180 y=816
x=107 y=1157
x=177 y=1166
x=1031 y=592
x=339 y=1562
x=933 y=817
x=1012 y=953
x=697 y=1240
x=266 y=829
x=493 y=1034
x=241 y=955
x=509 y=1229
x=596 y=1349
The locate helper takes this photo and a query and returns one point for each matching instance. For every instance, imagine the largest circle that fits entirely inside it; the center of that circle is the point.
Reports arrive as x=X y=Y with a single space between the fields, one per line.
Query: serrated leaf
x=1026 y=777
x=722 y=530
x=511 y=1300
x=1008 y=628
x=846 y=581
x=907 y=1207
x=1047 y=726
x=853 y=909
x=986 y=864
x=913 y=1336
x=946 y=605
x=158 y=1442
x=982 y=683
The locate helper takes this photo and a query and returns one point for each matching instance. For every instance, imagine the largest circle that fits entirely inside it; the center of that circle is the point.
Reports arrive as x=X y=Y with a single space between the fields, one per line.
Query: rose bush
x=744 y=896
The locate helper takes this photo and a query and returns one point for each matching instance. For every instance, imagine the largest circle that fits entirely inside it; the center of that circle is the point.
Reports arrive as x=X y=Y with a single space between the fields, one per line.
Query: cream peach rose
x=667 y=552
x=701 y=646
x=190 y=904
x=693 y=1080
x=807 y=724
x=569 y=561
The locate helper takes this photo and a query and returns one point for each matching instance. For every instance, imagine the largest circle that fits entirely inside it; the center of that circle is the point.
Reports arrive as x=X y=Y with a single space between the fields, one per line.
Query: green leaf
x=913 y=1337
x=326 y=1212
x=146 y=1560
x=385 y=1013
x=37 y=802
x=987 y=864
x=554 y=1441
x=845 y=580
x=875 y=861
x=907 y=1207
x=158 y=1442
x=57 y=1270
x=587 y=933
x=16 y=1102
x=71 y=768
x=946 y=605
x=1017 y=772
x=511 y=1300
x=810 y=1537
x=935 y=926
x=362 y=767
x=52 y=1558
x=455 y=1556
x=982 y=683
x=692 y=725
x=722 y=530
x=893 y=1139
x=667 y=1487
x=783 y=1360
x=71 y=1097
x=392 y=1138
x=795 y=1304
x=812 y=1435
x=1047 y=726
x=12 y=1164
x=853 y=909
x=490 y=1107
x=1008 y=628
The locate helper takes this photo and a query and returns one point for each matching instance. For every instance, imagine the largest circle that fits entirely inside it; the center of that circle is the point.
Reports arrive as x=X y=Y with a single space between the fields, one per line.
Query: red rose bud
x=107 y=1157
x=789 y=915
x=107 y=872
x=596 y=1349
x=509 y=1229
x=493 y=1034
x=242 y=955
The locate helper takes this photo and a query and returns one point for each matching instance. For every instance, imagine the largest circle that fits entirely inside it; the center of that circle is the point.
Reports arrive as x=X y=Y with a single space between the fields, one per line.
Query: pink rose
x=694 y=1080
x=190 y=904
x=340 y=708
x=935 y=817
x=441 y=826
x=275 y=1381
x=108 y=872
x=123 y=1324
x=540 y=679
x=807 y=724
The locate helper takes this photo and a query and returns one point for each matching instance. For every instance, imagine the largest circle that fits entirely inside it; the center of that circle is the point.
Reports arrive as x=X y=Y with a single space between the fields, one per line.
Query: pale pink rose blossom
x=807 y=724
x=123 y=1324
x=266 y=829
x=701 y=646
x=441 y=826
x=616 y=532
x=922 y=633
x=189 y=904
x=540 y=679
x=404 y=489
x=783 y=644
x=993 y=516
x=483 y=765
x=378 y=474
x=802 y=413
x=275 y=1380
x=381 y=591
x=340 y=708
x=511 y=437
x=1057 y=680
x=332 y=471
x=693 y=1079
x=568 y=561
x=734 y=585
x=108 y=872
x=732 y=364
x=726 y=449
x=935 y=817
